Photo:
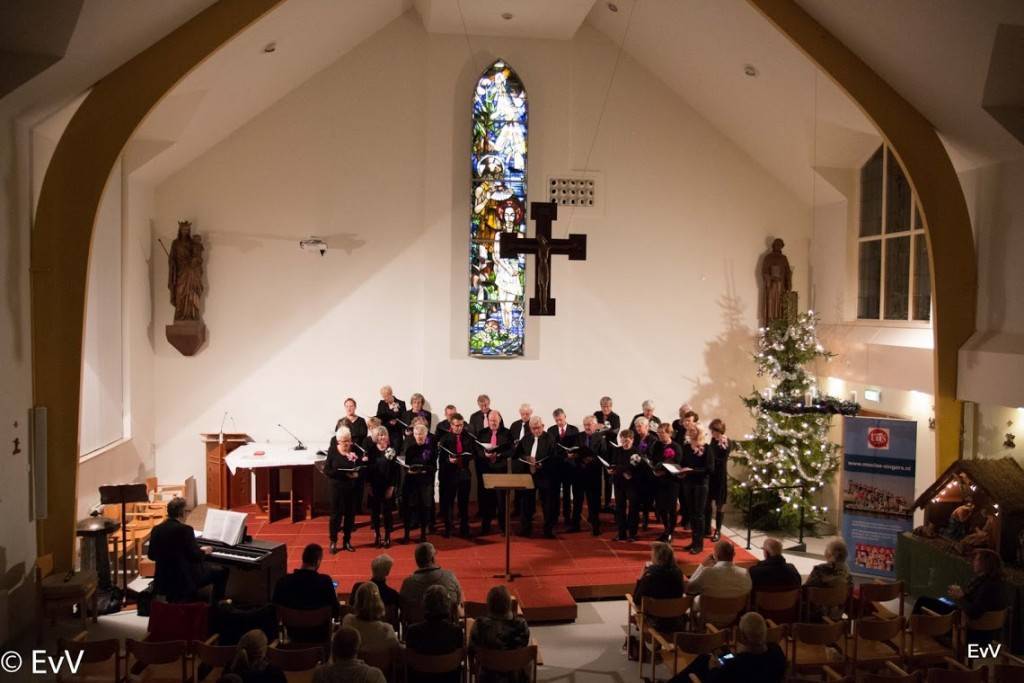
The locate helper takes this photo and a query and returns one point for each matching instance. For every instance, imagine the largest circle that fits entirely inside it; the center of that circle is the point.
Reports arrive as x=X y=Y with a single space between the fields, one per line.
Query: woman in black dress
x=700 y=463
x=624 y=471
x=382 y=474
x=643 y=440
x=342 y=469
x=666 y=484
x=718 y=483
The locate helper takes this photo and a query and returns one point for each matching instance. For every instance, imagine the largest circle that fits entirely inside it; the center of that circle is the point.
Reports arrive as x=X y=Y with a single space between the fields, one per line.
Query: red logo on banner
x=878 y=437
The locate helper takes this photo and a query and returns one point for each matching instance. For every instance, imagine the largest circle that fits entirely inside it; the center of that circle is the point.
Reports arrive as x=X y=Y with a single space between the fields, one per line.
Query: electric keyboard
x=253 y=568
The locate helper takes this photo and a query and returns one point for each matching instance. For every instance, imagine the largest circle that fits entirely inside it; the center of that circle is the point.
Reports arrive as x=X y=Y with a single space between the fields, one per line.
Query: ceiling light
x=507 y=16
x=270 y=47
x=750 y=70
x=613 y=7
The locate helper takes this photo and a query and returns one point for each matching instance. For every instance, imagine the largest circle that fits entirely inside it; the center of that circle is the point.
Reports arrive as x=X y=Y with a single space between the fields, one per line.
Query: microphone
x=301 y=446
x=220 y=436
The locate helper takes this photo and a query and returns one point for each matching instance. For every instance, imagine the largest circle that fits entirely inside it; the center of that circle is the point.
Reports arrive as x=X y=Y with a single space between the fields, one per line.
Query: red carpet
x=555 y=573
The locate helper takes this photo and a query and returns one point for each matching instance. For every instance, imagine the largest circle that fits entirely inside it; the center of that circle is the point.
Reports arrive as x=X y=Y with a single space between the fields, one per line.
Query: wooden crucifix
x=543 y=246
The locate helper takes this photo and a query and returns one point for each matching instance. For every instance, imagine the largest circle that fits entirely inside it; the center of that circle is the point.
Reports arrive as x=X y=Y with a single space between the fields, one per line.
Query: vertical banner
x=878 y=490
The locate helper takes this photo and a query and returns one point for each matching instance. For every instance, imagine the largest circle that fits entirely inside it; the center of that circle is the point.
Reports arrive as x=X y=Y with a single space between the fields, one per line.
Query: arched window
x=498 y=208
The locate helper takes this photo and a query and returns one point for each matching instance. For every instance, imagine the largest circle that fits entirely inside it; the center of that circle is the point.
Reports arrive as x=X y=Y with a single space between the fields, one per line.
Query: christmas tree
x=790 y=445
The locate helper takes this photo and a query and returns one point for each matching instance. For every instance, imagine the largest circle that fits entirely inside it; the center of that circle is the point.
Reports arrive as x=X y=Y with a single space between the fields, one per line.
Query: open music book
x=569 y=449
x=403 y=463
x=488 y=447
x=527 y=461
x=674 y=468
x=605 y=463
x=223 y=526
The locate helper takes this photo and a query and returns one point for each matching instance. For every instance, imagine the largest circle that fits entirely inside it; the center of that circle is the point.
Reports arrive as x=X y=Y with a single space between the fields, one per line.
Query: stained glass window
x=497 y=285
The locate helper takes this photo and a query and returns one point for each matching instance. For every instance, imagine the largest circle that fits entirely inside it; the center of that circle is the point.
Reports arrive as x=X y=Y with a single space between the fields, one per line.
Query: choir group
x=674 y=469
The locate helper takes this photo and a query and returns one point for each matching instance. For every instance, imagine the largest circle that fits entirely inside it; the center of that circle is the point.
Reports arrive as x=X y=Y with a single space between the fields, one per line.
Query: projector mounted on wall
x=313 y=243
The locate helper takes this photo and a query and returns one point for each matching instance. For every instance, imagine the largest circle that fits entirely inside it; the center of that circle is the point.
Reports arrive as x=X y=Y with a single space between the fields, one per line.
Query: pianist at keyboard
x=181 y=571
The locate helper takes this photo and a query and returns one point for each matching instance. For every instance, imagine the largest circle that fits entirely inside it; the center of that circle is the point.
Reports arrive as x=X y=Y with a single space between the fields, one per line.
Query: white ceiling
x=556 y=19
x=788 y=118
x=936 y=54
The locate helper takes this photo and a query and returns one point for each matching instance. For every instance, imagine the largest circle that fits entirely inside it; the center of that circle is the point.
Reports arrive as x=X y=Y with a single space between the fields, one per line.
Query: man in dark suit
x=608 y=424
x=478 y=420
x=773 y=573
x=564 y=435
x=587 y=480
x=445 y=425
x=537 y=455
x=180 y=569
x=521 y=427
x=494 y=458
x=391 y=412
x=307 y=588
x=455 y=452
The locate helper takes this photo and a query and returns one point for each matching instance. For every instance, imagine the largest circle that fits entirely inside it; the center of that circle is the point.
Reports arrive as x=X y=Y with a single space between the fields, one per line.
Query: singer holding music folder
x=390 y=411
x=455 y=452
x=494 y=443
x=665 y=453
x=587 y=480
x=538 y=455
x=342 y=469
x=382 y=474
x=419 y=460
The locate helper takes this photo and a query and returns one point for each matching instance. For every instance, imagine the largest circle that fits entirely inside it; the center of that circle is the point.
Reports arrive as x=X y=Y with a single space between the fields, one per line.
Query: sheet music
x=672 y=468
x=605 y=462
x=224 y=526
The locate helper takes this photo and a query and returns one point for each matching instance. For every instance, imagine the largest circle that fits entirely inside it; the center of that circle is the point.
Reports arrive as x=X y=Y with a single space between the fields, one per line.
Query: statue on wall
x=777 y=283
x=185 y=283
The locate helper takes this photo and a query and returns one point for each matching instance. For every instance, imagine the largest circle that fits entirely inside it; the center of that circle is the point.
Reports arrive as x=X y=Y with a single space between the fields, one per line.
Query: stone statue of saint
x=185 y=273
x=777 y=282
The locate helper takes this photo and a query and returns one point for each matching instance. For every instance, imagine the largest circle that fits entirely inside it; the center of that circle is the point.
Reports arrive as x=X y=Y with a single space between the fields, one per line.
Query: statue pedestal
x=186 y=335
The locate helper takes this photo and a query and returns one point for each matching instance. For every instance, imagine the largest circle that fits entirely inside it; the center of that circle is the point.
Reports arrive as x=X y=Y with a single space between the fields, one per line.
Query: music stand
x=507 y=483
x=122 y=494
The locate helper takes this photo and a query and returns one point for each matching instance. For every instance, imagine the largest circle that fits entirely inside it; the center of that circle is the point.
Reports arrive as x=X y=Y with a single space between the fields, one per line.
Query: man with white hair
x=755 y=659
x=536 y=455
x=587 y=482
x=494 y=444
x=773 y=573
x=647 y=412
x=521 y=427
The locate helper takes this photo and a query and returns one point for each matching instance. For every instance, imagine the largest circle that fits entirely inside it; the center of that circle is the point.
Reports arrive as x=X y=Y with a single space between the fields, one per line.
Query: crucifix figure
x=542 y=247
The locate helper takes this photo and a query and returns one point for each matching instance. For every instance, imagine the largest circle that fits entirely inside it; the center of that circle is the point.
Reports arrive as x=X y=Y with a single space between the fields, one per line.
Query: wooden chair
x=722 y=612
x=60 y=593
x=871 y=596
x=298 y=665
x=776 y=633
x=208 y=653
x=163 y=492
x=780 y=606
x=874 y=642
x=989 y=621
x=651 y=610
x=893 y=674
x=386 y=660
x=833 y=676
x=1009 y=670
x=825 y=599
x=303 y=619
x=153 y=662
x=416 y=663
x=924 y=631
x=684 y=647
x=100 y=663
x=814 y=646
x=956 y=673
x=505 y=661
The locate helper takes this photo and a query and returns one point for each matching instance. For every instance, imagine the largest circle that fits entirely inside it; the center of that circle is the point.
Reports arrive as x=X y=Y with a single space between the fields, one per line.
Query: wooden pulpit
x=507 y=483
x=223 y=489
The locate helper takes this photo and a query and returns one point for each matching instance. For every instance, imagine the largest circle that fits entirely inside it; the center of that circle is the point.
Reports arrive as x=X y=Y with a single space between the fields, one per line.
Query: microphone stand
x=301 y=446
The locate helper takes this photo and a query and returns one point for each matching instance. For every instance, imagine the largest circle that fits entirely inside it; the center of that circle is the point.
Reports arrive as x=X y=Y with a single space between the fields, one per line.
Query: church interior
x=234 y=231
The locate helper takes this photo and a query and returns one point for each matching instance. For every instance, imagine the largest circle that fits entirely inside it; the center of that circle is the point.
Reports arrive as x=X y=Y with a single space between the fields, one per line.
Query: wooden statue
x=185 y=283
x=777 y=283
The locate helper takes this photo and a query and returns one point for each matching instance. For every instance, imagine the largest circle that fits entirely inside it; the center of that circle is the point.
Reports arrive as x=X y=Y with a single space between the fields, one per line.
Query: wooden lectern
x=507 y=483
x=223 y=489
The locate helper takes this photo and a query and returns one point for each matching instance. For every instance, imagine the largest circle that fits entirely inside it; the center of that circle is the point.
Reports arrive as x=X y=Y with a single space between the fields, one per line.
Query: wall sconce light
x=873 y=395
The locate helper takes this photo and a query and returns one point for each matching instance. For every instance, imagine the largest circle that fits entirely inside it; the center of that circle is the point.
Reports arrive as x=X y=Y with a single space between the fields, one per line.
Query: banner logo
x=878 y=438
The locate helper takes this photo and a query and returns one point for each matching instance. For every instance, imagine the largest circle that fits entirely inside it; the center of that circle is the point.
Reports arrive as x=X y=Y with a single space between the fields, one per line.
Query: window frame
x=916 y=231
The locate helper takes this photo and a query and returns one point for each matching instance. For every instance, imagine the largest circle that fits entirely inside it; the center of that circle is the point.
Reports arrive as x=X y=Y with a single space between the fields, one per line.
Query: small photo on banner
x=879 y=457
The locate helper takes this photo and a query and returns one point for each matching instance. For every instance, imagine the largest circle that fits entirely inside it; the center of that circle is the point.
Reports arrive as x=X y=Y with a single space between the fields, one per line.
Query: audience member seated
x=830 y=573
x=427 y=575
x=500 y=630
x=180 y=569
x=754 y=660
x=250 y=663
x=987 y=592
x=437 y=634
x=773 y=573
x=345 y=667
x=307 y=588
x=380 y=569
x=717 y=576
x=367 y=617
x=662 y=578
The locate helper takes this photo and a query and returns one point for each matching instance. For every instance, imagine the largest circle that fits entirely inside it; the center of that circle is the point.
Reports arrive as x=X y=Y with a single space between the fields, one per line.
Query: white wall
x=372 y=153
